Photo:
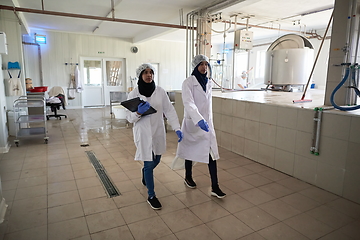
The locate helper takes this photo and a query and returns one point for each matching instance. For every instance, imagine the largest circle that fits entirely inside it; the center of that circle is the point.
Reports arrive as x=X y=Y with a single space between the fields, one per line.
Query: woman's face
x=147 y=75
x=203 y=67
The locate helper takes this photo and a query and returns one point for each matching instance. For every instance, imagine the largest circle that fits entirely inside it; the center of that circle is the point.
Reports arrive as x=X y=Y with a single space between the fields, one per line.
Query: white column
x=337 y=53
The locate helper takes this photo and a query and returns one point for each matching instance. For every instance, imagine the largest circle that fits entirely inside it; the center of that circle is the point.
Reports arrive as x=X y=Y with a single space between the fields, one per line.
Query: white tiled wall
x=281 y=136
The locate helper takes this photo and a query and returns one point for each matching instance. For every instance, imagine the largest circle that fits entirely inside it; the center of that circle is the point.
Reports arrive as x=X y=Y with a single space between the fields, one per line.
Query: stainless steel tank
x=289 y=60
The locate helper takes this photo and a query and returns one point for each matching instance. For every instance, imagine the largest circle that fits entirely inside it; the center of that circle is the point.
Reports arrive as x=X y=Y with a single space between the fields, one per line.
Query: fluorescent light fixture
x=41 y=39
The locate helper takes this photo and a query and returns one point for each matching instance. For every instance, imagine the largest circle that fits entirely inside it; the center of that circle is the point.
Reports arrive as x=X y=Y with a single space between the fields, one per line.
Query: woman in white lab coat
x=199 y=143
x=149 y=130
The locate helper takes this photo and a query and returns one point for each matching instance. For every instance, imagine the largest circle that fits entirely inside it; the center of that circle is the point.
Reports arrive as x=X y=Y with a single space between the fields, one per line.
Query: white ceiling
x=296 y=15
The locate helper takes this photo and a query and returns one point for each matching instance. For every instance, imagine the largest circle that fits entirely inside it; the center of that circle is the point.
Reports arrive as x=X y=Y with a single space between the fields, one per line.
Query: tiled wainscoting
x=277 y=133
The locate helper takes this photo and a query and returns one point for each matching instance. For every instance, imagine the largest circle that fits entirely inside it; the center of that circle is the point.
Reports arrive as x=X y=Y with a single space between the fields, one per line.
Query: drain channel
x=109 y=186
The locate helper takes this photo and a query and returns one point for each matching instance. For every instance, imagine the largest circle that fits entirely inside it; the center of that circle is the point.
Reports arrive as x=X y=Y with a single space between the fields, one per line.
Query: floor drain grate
x=109 y=186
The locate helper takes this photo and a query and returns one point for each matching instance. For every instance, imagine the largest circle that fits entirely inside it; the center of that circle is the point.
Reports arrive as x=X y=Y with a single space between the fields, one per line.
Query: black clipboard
x=132 y=105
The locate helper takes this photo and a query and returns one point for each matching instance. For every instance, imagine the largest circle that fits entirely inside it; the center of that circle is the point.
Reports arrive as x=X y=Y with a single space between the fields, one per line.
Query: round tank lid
x=290 y=41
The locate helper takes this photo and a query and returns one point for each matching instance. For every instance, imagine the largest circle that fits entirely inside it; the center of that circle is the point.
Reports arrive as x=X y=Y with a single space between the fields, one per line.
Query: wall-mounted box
x=3 y=44
x=243 y=39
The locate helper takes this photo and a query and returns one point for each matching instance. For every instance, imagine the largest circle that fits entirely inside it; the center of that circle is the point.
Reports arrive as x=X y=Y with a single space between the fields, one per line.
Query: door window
x=114 y=71
x=92 y=73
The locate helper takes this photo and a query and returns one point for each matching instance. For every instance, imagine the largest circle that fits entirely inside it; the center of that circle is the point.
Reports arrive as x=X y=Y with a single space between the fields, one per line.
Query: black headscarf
x=202 y=78
x=145 y=89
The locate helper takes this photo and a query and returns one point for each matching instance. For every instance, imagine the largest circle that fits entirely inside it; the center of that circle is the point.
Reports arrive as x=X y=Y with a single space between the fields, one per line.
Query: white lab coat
x=197 y=144
x=79 y=85
x=149 y=131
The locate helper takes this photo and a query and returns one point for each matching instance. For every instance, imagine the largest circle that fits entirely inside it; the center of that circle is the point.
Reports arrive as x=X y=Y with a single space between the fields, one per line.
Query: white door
x=92 y=75
x=100 y=77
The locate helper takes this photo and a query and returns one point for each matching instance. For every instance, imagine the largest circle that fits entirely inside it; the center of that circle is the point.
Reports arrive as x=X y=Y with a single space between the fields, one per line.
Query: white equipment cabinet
x=36 y=123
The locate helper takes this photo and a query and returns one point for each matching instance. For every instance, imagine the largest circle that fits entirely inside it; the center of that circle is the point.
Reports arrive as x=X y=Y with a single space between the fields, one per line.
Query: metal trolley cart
x=115 y=99
x=36 y=123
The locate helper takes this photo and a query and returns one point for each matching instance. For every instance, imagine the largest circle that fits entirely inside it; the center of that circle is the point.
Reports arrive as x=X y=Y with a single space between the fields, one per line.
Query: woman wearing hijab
x=199 y=143
x=149 y=130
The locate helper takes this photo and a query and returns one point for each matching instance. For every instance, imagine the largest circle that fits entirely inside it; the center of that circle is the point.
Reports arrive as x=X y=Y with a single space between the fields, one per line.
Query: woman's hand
x=180 y=135
x=143 y=107
x=203 y=125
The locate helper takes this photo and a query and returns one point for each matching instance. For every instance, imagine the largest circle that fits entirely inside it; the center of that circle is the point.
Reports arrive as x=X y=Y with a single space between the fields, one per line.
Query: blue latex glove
x=143 y=107
x=180 y=135
x=203 y=125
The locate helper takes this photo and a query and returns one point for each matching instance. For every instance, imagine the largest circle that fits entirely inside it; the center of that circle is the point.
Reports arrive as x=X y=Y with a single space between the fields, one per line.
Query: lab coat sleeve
x=132 y=117
x=170 y=112
x=189 y=102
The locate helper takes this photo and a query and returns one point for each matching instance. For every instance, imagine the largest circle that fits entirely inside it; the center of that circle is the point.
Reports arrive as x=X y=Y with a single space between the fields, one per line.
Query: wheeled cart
x=36 y=124
x=115 y=99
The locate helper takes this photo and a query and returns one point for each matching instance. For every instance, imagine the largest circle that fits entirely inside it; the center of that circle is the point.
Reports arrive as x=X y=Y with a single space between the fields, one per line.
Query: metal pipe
x=190 y=29
x=248 y=69
x=199 y=35
x=318 y=127
x=40 y=66
x=29 y=10
x=269 y=28
x=222 y=4
x=299 y=15
x=357 y=43
x=349 y=30
x=233 y=65
x=270 y=69
x=355 y=77
x=181 y=17
x=193 y=37
x=40 y=63
x=223 y=61
x=112 y=9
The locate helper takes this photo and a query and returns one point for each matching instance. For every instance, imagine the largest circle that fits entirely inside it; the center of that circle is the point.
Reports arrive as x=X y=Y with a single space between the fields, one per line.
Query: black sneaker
x=154 y=203
x=143 y=177
x=189 y=182
x=216 y=192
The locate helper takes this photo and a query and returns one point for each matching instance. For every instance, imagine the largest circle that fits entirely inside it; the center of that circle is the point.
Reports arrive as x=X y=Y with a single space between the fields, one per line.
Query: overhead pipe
x=40 y=63
x=263 y=27
x=62 y=14
x=112 y=11
x=300 y=15
x=190 y=19
x=190 y=33
x=181 y=17
x=222 y=4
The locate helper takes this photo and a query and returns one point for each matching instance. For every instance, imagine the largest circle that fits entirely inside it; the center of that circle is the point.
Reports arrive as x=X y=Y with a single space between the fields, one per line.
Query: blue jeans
x=149 y=174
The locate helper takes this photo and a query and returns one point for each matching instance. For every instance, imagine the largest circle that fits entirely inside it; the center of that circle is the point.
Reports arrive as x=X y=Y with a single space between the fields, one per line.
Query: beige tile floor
x=54 y=193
